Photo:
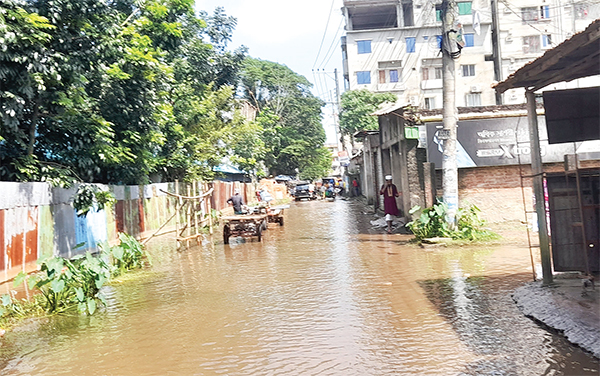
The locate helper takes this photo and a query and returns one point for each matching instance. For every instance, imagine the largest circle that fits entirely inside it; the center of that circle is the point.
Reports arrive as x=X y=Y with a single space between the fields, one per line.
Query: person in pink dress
x=389 y=192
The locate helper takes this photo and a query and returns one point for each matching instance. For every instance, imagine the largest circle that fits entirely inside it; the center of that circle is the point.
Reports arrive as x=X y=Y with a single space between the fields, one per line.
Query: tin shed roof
x=577 y=57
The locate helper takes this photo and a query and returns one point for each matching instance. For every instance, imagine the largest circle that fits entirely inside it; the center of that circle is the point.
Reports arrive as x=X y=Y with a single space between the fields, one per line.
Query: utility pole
x=496 y=54
x=450 y=114
x=337 y=104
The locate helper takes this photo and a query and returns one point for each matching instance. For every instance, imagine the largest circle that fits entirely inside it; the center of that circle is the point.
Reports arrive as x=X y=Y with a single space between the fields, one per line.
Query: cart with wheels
x=245 y=225
x=275 y=214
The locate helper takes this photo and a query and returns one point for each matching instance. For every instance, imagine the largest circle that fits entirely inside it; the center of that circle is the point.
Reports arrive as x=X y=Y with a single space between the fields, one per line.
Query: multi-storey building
x=394 y=45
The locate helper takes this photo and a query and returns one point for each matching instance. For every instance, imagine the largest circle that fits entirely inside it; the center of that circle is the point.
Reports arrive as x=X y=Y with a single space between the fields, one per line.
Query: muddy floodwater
x=323 y=295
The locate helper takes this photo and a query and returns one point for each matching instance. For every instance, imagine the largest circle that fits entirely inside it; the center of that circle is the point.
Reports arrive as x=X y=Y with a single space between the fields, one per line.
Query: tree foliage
x=357 y=107
x=291 y=118
x=119 y=91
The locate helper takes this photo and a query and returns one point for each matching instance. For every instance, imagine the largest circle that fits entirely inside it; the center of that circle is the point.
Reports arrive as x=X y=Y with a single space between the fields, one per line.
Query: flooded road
x=322 y=295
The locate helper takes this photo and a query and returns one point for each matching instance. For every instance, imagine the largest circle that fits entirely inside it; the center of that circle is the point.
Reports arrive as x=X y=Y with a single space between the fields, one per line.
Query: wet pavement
x=323 y=295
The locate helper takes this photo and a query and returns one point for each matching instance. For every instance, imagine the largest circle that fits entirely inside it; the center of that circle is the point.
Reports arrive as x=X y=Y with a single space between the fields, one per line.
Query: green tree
x=27 y=68
x=290 y=117
x=357 y=107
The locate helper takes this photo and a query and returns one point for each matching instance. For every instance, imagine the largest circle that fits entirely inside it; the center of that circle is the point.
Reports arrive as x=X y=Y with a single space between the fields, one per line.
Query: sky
x=303 y=35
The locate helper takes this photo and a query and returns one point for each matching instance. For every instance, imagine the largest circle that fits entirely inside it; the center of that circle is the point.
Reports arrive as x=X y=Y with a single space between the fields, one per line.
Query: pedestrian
x=355 y=186
x=389 y=192
x=237 y=201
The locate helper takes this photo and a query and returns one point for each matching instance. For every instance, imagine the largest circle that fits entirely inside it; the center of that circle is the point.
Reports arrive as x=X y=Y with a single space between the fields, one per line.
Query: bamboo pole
x=188 y=215
x=177 y=219
x=196 y=202
x=160 y=228
x=209 y=211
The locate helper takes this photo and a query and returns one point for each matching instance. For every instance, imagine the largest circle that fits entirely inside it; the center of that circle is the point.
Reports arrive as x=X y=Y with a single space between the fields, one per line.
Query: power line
x=333 y=43
x=324 y=34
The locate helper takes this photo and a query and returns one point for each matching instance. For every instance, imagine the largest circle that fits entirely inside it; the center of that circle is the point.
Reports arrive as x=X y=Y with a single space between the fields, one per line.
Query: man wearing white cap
x=389 y=192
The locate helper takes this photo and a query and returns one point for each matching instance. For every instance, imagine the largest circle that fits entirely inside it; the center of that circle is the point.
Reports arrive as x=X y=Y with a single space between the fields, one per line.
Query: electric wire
x=324 y=34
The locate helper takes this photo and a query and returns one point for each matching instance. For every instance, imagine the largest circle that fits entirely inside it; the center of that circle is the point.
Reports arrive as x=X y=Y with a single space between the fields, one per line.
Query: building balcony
x=431 y=84
x=392 y=86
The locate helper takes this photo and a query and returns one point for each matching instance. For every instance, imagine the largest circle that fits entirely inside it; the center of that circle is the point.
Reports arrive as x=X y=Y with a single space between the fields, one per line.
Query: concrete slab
x=565 y=306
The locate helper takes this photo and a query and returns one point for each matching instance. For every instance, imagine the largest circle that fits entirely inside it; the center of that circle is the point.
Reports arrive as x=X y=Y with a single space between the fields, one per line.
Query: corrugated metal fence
x=38 y=221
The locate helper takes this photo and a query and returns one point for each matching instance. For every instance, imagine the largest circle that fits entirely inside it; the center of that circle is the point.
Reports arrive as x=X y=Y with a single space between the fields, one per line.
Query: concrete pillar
x=400 y=14
x=348 y=19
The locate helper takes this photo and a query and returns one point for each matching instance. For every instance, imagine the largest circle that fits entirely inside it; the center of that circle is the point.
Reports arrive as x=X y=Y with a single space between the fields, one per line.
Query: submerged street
x=323 y=295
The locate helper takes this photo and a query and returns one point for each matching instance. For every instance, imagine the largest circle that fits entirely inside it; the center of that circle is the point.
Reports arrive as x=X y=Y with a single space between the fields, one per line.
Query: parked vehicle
x=305 y=190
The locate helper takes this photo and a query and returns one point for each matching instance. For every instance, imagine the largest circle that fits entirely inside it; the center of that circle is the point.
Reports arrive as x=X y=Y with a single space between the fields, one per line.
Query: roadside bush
x=432 y=223
x=64 y=285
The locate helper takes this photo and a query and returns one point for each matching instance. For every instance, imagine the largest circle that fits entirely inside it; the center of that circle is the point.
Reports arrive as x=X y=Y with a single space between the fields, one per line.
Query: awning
x=389 y=110
x=363 y=134
x=577 y=57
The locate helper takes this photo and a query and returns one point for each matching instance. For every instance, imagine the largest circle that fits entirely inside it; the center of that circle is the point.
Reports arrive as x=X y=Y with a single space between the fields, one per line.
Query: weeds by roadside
x=70 y=286
x=431 y=223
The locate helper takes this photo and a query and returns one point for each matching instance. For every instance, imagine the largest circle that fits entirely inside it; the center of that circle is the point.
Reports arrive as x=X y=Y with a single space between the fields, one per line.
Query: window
x=432 y=73
x=531 y=44
x=469 y=40
x=364 y=46
x=547 y=41
x=410 y=44
x=533 y=14
x=473 y=99
x=389 y=71
x=429 y=103
x=581 y=11
x=529 y=14
x=363 y=77
x=464 y=7
x=407 y=11
x=468 y=70
x=439 y=41
x=438 y=12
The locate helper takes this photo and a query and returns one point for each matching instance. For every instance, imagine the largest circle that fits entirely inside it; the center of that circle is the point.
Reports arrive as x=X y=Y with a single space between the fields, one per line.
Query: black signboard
x=501 y=141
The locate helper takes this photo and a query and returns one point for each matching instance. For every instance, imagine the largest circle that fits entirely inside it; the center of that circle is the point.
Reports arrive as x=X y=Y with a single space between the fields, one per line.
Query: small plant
x=65 y=284
x=90 y=196
x=432 y=223
x=128 y=255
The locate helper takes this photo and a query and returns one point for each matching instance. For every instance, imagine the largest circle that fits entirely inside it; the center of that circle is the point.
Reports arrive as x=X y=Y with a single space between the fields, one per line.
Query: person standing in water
x=389 y=192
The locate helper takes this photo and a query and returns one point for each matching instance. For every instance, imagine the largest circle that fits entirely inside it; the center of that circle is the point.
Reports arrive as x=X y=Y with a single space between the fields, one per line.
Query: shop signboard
x=501 y=141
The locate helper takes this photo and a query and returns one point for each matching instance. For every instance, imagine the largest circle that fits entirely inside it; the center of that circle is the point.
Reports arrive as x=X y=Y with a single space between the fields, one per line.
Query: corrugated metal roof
x=389 y=110
x=364 y=133
x=575 y=58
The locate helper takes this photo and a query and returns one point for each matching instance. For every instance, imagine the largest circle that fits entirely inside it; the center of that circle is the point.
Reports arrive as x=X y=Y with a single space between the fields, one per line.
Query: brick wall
x=496 y=190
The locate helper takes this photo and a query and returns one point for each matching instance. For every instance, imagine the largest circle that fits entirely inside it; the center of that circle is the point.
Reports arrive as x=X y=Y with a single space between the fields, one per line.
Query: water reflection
x=323 y=295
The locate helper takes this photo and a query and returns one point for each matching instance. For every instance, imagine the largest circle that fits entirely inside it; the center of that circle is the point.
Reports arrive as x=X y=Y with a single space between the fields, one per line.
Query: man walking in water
x=389 y=192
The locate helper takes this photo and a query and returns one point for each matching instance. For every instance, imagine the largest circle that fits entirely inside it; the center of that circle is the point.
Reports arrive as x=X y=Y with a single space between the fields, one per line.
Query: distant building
x=394 y=45
x=336 y=165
